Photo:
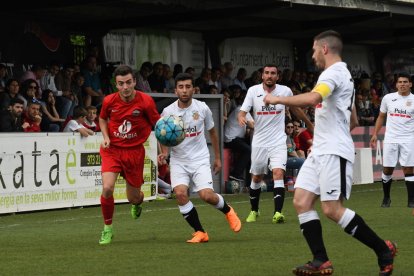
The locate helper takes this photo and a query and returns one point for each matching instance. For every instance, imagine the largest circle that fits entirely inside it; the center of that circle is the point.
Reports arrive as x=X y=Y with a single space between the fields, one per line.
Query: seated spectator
x=255 y=78
x=3 y=77
x=76 y=87
x=156 y=79
x=296 y=131
x=28 y=90
x=168 y=79
x=293 y=160
x=203 y=81
x=178 y=68
x=32 y=116
x=91 y=120
x=163 y=181
x=51 y=122
x=142 y=77
x=364 y=111
x=212 y=89
x=11 y=92
x=235 y=139
x=240 y=77
x=305 y=141
x=11 y=119
x=76 y=124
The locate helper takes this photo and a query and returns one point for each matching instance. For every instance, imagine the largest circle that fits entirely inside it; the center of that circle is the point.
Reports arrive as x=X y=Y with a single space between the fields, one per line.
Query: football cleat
x=199 y=237
x=386 y=202
x=107 y=235
x=386 y=262
x=311 y=268
x=278 y=218
x=136 y=210
x=252 y=216
x=233 y=220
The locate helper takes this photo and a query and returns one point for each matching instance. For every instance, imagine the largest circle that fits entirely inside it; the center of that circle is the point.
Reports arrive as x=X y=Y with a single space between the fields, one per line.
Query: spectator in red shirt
x=126 y=119
x=32 y=117
x=305 y=141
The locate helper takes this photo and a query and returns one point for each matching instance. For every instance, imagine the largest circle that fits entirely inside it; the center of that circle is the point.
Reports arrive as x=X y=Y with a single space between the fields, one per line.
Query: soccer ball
x=170 y=130
x=232 y=187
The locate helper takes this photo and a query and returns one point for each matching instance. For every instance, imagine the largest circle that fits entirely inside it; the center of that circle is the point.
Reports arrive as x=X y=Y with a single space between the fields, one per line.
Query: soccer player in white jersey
x=269 y=140
x=327 y=172
x=398 y=108
x=190 y=160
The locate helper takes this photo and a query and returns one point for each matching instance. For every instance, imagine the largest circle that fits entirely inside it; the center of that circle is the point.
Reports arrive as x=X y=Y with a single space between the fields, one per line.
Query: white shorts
x=198 y=173
x=328 y=175
x=265 y=158
x=393 y=152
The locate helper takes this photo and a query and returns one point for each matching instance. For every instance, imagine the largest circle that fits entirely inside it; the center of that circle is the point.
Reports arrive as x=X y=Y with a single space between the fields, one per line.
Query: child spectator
x=76 y=124
x=91 y=119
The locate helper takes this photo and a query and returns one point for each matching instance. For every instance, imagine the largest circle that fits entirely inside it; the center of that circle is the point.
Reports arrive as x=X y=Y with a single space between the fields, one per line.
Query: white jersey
x=72 y=126
x=269 y=121
x=196 y=117
x=232 y=129
x=332 y=117
x=400 y=118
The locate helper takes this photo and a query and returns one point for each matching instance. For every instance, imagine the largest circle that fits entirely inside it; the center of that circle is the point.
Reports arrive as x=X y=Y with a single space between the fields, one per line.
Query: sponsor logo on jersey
x=196 y=115
x=269 y=110
x=191 y=132
x=123 y=131
x=400 y=113
x=136 y=112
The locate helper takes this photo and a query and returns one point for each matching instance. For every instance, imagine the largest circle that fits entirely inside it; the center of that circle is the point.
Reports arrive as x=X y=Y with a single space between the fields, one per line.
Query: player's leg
x=390 y=158
x=180 y=179
x=278 y=160
x=107 y=205
x=336 y=182
x=306 y=193
x=203 y=184
x=407 y=161
x=258 y=169
x=132 y=171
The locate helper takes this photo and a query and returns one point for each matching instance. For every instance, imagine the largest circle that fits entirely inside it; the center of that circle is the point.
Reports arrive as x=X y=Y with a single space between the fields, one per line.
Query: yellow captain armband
x=323 y=89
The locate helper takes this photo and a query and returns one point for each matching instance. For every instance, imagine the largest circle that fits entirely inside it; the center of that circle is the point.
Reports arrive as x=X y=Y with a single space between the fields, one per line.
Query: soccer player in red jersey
x=126 y=120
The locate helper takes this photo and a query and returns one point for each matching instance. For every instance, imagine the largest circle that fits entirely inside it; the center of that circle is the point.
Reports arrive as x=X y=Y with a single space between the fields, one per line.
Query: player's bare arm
x=354 y=119
x=215 y=143
x=162 y=156
x=378 y=125
x=103 y=124
x=308 y=99
x=241 y=117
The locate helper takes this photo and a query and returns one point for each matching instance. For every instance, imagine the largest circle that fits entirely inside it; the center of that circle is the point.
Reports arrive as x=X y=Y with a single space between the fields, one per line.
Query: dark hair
x=270 y=65
x=178 y=68
x=123 y=70
x=16 y=100
x=183 y=77
x=404 y=75
x=333 y=38
x=79 y=112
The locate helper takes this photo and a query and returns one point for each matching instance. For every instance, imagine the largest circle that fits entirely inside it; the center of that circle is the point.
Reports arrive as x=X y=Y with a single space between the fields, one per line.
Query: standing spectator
x=240 y=77
x=216 y=78
x=32 y=116
x=235 y=139
x=168 y=79
x=11 y=119
x=76 y=124
x=156 y=80
x=203 y=81
x=327 y=172
x=398 y=109
x=269 y=140
x=226 y=79
x=126 y=119
x=190 y=160
x=76 y=87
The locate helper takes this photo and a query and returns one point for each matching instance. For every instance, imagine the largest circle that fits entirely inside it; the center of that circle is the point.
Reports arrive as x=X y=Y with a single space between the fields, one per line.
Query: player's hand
x=242 y=120
x=105 y=143
x=162 y=159
x=269 y=99
x=373 y=142
x=217 y=166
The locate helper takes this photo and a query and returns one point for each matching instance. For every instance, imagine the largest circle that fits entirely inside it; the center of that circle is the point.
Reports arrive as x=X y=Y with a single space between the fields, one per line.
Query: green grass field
x=65 y=242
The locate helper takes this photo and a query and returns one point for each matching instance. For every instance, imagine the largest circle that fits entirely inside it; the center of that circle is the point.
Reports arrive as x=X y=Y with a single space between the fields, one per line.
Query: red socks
x=107 y=206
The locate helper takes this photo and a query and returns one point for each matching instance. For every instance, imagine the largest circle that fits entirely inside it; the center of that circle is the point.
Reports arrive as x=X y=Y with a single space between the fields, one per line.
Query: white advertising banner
x=57 y=170
x=120 y=47
x=253 y=53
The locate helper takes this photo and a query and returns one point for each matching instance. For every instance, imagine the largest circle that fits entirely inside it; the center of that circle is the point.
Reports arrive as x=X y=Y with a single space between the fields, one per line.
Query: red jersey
x=129 y=124
x=33 y=127
x=304 y=136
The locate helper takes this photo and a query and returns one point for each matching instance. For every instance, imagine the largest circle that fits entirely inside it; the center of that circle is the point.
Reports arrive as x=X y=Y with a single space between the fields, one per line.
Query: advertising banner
x=57 y=170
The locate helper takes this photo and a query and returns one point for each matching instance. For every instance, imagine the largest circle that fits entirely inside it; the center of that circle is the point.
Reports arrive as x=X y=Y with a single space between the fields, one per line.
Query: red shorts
x=129 y=162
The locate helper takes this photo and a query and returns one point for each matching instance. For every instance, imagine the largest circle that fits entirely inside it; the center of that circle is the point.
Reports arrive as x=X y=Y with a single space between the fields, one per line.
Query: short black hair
x=183 y=77
x=123 y=70
x=404 y=75
x=15 y=100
